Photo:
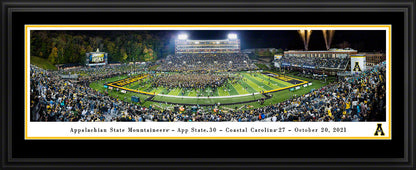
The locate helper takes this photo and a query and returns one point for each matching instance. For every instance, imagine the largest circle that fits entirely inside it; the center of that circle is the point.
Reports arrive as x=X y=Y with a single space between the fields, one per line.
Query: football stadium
x=200 y=81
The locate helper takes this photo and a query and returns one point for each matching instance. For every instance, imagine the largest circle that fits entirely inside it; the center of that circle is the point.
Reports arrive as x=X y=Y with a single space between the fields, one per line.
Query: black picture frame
x=12 y=136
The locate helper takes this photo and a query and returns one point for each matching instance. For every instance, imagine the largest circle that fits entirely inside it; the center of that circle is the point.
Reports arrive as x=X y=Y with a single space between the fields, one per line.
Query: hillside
x=42 y=63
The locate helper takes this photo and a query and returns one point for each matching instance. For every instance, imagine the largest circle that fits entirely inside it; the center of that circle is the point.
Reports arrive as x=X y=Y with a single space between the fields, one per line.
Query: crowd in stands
x=358 y=98
x=69 y=66
x=361 y=97
x=56 y=99
x=317 y=62
x=91 y=74
x=207 y=62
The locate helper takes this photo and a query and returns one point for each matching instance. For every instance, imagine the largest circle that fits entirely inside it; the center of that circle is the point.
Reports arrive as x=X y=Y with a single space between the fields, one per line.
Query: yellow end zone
x=128 y=81
x=288 y=78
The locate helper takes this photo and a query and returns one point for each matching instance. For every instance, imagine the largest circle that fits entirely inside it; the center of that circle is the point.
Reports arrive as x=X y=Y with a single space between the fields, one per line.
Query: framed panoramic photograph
x=207 y=85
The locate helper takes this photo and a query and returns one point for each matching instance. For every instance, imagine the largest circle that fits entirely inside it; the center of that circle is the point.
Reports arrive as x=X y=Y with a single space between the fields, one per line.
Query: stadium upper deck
x=230 y=45
x=334 y=53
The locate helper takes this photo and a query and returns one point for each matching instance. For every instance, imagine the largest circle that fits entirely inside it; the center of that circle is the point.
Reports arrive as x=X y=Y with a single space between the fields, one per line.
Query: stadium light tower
x=182 y=36
x=232 y=36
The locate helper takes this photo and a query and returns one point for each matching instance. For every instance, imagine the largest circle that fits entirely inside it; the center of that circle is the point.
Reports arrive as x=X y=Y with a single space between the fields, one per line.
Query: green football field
x=244 y=92
x=251 y=83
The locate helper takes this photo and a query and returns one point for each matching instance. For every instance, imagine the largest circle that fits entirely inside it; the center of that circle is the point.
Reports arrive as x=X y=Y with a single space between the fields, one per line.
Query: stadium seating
x=360 y=97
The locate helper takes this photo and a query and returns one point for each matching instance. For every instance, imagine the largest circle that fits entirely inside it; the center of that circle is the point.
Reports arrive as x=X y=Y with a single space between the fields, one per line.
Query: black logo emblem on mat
x=357 y=67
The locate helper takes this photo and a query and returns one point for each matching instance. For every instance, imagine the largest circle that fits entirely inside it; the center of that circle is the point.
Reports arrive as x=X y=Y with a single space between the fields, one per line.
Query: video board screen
x=97 y=58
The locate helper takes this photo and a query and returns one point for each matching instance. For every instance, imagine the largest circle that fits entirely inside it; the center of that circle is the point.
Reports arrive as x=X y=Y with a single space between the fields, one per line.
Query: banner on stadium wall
x=310 y=67
x=278 y=56
x=358 y=63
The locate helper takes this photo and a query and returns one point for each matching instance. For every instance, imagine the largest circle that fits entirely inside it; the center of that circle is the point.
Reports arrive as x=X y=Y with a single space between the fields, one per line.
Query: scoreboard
x=96 y=58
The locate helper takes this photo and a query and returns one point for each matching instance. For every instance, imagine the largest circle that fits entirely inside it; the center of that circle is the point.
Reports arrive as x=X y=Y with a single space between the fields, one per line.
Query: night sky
x=361 y=40
x=291 y=40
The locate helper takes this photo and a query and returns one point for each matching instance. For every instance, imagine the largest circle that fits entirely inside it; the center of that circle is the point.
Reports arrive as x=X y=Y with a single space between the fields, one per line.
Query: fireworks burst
x=328 y=36
x=305 y=35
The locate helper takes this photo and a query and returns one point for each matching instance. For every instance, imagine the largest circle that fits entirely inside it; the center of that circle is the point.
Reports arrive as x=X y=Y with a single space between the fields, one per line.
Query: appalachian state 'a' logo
x=357 y=67
x=379 y=130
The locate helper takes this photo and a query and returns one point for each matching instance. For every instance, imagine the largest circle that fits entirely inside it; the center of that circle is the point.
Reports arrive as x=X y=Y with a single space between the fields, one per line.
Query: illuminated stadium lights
x=182 y=36
x=232 y=36
x=183 y=45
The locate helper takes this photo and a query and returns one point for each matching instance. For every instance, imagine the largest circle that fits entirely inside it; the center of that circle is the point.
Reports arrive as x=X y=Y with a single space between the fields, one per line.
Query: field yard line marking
x=241 y=89
x=234 y=89
x=260 y=80
x=192 y=93
x=257 y=87
x=163 y=95
x=225 y=93
x=248 y=86
x=175 y=92
x=280 y=83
